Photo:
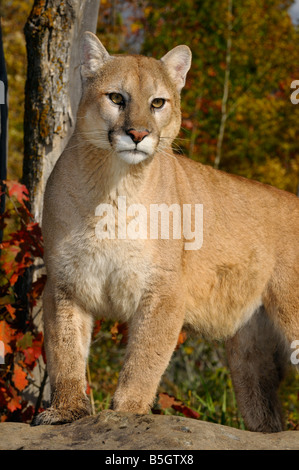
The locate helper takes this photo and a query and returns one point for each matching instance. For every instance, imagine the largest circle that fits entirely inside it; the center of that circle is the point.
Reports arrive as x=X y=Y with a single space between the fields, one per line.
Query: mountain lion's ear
x=178 y=62
x=93 y=54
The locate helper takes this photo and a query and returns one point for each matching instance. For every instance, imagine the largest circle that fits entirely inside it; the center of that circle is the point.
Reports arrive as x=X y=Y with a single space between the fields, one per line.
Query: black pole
x=3 y=123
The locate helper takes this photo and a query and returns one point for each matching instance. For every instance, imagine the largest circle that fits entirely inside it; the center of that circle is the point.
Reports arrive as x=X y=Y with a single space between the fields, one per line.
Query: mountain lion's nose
x=137 y=136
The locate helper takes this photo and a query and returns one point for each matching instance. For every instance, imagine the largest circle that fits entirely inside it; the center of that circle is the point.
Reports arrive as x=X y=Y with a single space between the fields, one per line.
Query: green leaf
x=25 y=341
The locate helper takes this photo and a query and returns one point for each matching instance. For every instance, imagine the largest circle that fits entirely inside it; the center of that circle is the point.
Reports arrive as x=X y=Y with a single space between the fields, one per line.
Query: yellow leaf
x=135 y=27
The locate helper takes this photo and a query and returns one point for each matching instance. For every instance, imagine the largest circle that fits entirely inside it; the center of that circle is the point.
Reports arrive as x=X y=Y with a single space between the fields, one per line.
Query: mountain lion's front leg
x=67 y=339
x=153 y=335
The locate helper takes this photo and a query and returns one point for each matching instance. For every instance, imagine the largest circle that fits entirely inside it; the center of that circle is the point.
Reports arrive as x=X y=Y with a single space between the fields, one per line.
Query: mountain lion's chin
x=133 y=157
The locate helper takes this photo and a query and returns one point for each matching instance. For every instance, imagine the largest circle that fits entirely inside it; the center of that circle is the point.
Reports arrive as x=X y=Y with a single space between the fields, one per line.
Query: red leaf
x=188 y=412
x=29 y=356
x=11 y=310
x=33 y=352
x=97 y=328
x=19 y=378
x=181 y=339
x=168 y=401
x=37 y=289
x=18 y=190
x=14 y=401
x=6 y=335
x=13 y=279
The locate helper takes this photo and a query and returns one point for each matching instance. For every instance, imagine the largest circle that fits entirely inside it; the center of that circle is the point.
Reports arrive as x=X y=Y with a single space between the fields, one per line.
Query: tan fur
x=249 y=259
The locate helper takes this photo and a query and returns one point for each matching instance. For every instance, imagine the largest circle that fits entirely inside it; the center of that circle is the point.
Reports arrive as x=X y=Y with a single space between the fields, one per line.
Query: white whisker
x=164 y=152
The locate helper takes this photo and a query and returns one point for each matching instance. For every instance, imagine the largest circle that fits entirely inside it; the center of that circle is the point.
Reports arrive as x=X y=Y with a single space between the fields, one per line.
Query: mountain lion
x=106 y=256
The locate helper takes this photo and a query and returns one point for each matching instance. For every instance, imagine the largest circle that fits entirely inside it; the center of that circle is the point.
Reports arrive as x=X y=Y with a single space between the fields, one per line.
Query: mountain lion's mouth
x=135 y=150
x=133 y=156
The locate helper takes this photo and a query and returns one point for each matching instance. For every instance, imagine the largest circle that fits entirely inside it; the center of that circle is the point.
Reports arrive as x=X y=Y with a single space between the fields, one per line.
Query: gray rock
x=123 y=431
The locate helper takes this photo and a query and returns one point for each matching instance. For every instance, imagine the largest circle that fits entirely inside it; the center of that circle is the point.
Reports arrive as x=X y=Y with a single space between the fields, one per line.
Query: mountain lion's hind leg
x=67 y=339
x=257 y=356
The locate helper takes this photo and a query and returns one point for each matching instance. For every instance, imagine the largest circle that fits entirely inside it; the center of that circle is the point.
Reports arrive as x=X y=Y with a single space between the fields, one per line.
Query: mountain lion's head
x=130 y=104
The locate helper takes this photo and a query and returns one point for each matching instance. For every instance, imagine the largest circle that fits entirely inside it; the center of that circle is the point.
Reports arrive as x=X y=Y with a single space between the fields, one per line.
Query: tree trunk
x=224 y=113
x=53 y=86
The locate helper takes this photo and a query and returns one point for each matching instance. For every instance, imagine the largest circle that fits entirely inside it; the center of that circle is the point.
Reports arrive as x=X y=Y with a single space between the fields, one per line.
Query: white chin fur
x=132 y=157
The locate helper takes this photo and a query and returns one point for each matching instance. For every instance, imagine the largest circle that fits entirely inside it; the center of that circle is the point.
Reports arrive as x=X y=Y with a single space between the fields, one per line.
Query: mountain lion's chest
x=107 y=277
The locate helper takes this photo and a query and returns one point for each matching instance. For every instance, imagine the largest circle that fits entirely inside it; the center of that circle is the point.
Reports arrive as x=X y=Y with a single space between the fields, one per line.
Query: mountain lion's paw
x=61 y=416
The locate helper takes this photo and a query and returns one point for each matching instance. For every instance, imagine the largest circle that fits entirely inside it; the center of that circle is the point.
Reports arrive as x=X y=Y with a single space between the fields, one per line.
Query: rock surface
x=121 y=431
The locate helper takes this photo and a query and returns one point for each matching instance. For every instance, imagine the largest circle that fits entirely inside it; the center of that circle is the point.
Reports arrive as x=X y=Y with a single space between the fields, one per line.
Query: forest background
x=237 y=116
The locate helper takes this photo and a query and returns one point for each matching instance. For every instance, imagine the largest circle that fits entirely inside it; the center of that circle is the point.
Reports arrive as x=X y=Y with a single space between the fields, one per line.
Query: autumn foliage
x=23 y=343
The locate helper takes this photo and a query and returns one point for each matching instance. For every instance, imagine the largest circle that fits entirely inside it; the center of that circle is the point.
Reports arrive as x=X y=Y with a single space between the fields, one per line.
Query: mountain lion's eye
x=158 y=103
x=117 y=98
